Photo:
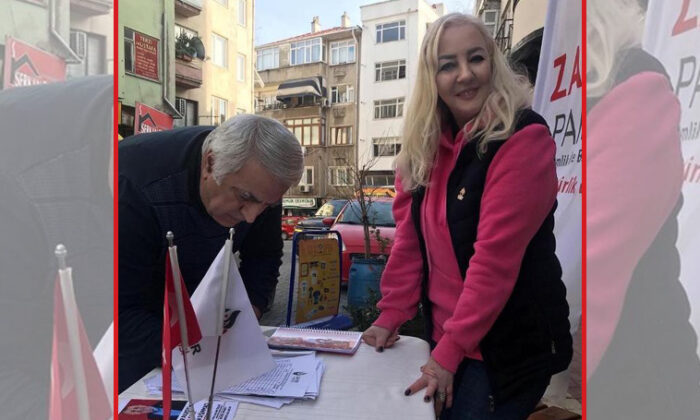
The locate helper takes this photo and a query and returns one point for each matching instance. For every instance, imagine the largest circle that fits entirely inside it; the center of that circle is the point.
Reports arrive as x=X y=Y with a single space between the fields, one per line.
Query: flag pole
x=71 y=314
x=184 y=344
x=220 y=315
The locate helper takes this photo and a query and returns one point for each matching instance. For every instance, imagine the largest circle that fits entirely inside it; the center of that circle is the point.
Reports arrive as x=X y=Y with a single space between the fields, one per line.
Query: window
x=342 y=52
x=92 y=49
x=388 y=108
x=128 y=50
x=341 y=135
x=385 y=146
x=393 y=31
x=188 y=110
x=240 y=67
x=308 y=177
x=220 y=53
x=342 y=94
x=218 y=110
x=222 y=2
x=339 y=176
x=490 y=18
x=268 y=58
x=306 y=130
x=181 y=29
x=390 y=70
x=309 y=51
x=241 y=12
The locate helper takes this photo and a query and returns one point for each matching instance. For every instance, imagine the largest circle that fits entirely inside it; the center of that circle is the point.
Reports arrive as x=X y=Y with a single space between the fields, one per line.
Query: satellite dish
x=198 y=46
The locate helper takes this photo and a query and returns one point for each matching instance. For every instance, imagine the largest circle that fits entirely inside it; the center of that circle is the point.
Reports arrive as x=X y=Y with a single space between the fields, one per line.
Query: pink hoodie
x=519 y=192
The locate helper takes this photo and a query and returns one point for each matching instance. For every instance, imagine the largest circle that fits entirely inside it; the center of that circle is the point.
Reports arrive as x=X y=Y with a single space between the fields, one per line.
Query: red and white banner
x=77 y=391
x=26 y=65
x=672 y=35
x=148 y=120
x=558 y=91
x=146 y=56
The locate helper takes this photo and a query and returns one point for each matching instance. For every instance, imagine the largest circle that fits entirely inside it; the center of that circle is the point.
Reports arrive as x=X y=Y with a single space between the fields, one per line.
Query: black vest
x=530 y=340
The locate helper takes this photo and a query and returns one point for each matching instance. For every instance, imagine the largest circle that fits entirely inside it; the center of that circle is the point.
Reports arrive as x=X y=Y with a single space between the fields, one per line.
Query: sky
x=280 y=19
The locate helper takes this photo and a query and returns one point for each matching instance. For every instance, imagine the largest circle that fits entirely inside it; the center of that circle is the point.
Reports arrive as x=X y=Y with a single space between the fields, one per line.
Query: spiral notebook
x=333 y=341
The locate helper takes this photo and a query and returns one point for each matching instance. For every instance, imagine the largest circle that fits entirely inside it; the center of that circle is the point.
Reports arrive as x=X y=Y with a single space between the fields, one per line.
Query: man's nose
x=251 y=211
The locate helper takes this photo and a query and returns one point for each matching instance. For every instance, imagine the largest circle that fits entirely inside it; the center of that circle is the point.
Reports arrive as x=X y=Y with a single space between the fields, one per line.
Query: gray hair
x=248 y=136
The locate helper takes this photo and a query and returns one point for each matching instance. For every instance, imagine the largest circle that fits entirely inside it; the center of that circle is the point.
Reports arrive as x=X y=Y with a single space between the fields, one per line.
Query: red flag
x=76 y=383
x=171 y=336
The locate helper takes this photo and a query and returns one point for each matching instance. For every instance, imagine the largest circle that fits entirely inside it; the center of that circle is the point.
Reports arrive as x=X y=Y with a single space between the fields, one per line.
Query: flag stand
x=184 y=344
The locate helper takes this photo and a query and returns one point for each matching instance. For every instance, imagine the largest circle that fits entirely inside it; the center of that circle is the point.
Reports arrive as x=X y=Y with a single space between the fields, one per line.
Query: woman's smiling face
x=463 y=71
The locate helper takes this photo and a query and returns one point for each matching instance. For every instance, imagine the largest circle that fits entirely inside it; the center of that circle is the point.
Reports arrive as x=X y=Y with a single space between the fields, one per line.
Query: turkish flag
x=77 y=390
x=171 y=328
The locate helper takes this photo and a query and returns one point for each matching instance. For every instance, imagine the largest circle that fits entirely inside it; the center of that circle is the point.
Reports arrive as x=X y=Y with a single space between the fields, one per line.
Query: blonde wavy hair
x=427 y=112
x=611 y=27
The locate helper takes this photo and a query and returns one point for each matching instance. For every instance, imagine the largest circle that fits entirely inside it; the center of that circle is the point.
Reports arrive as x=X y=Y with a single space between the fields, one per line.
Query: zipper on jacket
x=492 y=404
x=554 y=347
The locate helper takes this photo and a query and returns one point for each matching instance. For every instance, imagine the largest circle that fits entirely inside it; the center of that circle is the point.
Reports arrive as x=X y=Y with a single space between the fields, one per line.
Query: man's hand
x=437 y=382
x=258 y=312
x=379 y=337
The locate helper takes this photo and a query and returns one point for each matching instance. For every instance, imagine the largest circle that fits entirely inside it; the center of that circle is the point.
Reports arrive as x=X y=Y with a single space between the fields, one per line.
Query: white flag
x=244 y=353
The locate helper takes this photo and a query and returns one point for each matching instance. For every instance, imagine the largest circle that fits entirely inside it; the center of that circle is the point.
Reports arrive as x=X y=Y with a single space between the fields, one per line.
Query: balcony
x=92 y=7
x=504 y=36
x=188 y=8
x=188 y=74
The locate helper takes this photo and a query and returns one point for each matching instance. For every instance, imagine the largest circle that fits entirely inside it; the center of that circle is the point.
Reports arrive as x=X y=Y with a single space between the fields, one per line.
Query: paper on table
x=223 y=410
x=291 y=378
x=274 y=402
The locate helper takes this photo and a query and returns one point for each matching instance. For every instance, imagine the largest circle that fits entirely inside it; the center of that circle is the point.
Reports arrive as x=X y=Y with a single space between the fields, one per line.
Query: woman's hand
x=379 y=337
x=437 y=382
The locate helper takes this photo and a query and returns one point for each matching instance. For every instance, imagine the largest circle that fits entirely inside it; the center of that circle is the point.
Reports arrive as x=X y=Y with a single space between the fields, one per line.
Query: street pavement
x=277 y=315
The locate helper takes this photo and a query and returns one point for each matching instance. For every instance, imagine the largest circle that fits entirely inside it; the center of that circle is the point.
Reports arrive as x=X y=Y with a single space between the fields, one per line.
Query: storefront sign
x=301 y=202
x=146 y=56
x=26 y=65
x=150 y=119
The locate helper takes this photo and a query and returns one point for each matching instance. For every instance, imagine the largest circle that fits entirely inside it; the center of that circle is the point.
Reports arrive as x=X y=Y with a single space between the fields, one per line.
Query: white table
x=366 y=385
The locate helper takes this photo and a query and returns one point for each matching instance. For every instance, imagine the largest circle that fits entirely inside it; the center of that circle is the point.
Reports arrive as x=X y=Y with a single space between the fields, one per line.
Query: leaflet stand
x=316 y=301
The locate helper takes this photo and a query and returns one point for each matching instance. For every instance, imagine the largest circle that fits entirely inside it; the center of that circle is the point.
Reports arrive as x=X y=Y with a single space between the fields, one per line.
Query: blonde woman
x=476 y=193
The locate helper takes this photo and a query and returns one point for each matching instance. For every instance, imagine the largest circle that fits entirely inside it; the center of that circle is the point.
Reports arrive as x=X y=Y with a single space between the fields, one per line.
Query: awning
x=311 y=86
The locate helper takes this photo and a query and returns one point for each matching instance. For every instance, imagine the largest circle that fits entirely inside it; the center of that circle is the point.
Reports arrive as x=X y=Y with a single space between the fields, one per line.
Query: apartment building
x=518 y=26
x=216 y=82
x=393 y=33
x=52 y=40
x=310 y=83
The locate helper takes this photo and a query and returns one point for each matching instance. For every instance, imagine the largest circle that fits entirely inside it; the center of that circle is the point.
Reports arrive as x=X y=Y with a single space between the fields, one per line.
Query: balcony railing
x=92 y=7
x=188 y=74
x=504 y=36
x=188 y=8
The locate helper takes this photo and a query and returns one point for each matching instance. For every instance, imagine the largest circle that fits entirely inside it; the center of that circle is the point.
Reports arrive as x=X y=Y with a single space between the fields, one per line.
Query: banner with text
x=26 y=65
x=150 y=119
x=557 y=98
x=672 y=35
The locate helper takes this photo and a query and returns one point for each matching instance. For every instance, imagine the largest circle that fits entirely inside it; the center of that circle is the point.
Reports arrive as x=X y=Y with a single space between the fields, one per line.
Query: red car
x=288 y=225
x=349 y=224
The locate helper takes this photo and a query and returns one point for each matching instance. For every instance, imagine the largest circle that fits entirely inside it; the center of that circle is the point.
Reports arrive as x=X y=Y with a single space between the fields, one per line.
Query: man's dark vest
x=530 y=340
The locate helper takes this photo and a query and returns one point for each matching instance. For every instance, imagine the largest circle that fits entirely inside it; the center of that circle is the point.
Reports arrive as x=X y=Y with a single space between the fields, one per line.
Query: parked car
x=349 y=224
x=288 y=225
x=330 y=209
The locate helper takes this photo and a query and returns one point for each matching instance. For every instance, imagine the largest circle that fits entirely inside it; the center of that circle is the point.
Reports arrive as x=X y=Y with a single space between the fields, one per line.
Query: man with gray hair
x=197 y=182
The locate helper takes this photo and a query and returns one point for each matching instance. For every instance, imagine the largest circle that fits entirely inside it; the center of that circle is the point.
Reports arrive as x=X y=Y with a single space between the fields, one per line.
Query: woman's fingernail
x=380 y=349
x=427 y=398
x=407 y=392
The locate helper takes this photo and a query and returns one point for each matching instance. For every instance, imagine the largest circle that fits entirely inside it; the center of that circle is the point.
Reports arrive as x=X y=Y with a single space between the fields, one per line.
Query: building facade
x=53 y=40
x=310 y=83
x=518 y=26
x=215 y=87
x=393 y=33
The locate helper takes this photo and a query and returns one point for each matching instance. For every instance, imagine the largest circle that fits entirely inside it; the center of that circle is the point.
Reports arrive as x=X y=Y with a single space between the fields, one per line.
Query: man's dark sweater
x=159 y=177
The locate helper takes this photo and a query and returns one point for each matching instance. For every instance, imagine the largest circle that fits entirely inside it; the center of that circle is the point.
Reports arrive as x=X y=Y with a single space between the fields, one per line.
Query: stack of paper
x=296 y=377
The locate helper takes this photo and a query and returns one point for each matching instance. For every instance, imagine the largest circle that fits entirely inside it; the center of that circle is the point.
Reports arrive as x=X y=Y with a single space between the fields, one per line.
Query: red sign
x=146 y=56
x=150 y=119
x=26 y=65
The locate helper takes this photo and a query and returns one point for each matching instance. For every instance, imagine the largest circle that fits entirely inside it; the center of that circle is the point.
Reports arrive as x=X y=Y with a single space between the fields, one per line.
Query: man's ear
x=209 y=162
